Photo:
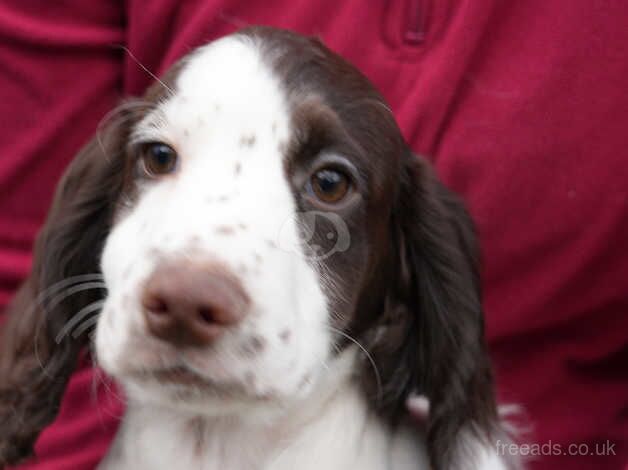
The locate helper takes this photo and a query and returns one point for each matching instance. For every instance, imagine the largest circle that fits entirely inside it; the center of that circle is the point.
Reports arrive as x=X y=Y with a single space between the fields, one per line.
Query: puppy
x=274 y=275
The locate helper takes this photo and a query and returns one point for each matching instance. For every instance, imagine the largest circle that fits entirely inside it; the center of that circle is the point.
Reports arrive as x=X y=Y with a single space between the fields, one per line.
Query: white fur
x=300 y=409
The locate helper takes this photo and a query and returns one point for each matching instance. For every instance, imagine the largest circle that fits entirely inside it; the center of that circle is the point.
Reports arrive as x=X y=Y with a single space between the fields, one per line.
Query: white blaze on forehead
x=224 y=89
x=232 y=74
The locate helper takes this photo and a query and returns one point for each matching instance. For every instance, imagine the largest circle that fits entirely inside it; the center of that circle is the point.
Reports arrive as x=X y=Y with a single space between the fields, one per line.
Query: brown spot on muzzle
x=254 y=345
x=225 y=230
x=248 y=140
x=285 y=335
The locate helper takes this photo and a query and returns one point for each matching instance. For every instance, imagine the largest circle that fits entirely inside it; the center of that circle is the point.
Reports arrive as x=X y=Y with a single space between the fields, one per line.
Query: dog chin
x=182 y=389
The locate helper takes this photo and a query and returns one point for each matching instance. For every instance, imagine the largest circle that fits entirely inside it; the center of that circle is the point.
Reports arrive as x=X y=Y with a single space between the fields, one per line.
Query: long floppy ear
x=436 y=343
x=39 y=345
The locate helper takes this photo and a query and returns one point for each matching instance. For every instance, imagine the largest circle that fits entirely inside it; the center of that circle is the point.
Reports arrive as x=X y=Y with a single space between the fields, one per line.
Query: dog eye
x=329 y=185
x=158 y=158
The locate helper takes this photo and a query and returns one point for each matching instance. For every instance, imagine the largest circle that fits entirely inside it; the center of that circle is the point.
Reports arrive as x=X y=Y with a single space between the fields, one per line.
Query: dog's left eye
x=330 y=185
x=158 y=158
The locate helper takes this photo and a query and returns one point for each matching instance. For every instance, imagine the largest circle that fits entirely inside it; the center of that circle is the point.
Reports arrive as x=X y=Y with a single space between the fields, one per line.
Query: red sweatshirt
x=522 y=105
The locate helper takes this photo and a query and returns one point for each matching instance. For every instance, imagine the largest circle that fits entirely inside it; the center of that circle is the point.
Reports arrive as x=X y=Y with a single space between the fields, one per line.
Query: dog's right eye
x=158 y=158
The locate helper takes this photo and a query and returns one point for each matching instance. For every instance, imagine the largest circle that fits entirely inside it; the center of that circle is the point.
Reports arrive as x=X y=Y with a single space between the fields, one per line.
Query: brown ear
x=436 y=331
x=38 y=344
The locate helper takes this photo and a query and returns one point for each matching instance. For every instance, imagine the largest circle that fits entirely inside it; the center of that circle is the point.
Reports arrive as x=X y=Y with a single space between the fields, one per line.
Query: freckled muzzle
x=192 y=303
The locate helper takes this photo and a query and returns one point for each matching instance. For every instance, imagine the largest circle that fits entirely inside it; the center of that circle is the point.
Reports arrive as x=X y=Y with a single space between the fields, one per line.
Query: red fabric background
x=523 y=106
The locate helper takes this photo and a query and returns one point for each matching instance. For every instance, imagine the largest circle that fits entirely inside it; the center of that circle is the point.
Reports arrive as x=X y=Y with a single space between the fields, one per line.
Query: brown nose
x=190 y=304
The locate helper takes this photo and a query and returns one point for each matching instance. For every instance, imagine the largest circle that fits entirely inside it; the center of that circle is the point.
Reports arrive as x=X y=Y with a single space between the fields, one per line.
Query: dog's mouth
x=183 y=380
x=180 y=375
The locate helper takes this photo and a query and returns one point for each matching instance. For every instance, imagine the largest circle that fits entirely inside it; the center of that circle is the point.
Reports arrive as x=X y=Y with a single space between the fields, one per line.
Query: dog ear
x=42 y=336
x=433 y=343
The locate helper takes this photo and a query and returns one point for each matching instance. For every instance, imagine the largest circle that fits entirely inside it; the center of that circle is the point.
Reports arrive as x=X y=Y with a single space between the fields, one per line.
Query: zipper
x=413 y=32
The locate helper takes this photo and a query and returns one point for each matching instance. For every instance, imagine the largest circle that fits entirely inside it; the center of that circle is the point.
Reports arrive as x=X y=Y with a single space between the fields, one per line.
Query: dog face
x=218 y=206
x=254 y=214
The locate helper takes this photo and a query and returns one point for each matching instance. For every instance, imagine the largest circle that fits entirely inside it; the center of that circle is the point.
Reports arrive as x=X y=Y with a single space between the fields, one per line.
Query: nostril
x=155 y=305
x=207 y=315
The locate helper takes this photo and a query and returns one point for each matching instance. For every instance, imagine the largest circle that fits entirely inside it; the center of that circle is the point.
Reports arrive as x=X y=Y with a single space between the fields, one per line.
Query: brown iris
x=158 y=158
x=329 y=185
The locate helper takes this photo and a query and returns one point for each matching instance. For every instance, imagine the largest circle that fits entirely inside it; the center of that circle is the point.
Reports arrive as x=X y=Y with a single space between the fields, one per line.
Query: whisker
x=121 y=108
x=107 y=386
x=99 y=377
x=99 y=373
x=378 y=378
x=143 y=67
x=115 y=118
